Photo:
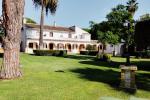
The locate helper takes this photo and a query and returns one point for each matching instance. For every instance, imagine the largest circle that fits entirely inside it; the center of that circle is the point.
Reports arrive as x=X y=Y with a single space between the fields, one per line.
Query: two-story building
x=73 y=39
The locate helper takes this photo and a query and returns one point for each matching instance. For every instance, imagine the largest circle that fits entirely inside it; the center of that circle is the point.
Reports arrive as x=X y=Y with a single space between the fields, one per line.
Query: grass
x=72 y=78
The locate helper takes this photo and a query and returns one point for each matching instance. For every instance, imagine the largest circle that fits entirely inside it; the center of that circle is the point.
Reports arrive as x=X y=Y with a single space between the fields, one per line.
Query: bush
x=50 y=52
x=84 y=52
x=104 y=57
x=142 y=54
x=91 y=53
x=90 y=47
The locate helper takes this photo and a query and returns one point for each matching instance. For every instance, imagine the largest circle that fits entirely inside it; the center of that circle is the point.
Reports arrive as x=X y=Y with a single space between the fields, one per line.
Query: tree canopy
x=29 y=20
x=142 y=35
x=49 y=5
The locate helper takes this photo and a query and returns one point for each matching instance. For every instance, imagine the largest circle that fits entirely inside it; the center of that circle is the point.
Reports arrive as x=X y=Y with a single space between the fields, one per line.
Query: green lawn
x=72 y=78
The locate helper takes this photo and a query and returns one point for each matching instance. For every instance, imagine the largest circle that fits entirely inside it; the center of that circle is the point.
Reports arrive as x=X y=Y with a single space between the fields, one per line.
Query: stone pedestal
x=128 y=77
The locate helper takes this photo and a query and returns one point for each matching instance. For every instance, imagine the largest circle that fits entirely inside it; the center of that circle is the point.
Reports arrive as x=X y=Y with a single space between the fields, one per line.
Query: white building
x=73 y=39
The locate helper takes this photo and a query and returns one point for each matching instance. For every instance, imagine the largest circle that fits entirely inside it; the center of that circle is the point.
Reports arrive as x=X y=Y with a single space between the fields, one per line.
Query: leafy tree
x=145 y=17
x=103 y=27
x=29 y=20
x=48 y=6
x=114 y=40
x=93 y=31
x=116 y=18
x=142 y=35
x=102 y=39
x=90 y=47
x=12 y=15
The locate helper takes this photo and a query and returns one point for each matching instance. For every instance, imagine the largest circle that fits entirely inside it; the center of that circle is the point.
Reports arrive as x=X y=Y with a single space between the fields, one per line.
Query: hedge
x=91 y=53
x=50 y=52
x=142 y=54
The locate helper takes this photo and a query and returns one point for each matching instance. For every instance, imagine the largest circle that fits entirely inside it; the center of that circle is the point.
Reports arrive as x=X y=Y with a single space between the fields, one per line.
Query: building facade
x=73 y=39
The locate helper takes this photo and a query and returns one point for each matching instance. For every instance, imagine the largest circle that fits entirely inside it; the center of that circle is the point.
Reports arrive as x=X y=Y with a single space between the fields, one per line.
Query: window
x=51 y=34
x=30 y=45
x=70 y=36
x=61 y=35
x=81 y=36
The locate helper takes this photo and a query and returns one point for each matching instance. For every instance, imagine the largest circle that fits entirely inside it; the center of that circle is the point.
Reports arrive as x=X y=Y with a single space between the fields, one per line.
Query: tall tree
x=142 y=35
x=116 y=18
x=132 y=7
x=12 y=17
x=48 y=6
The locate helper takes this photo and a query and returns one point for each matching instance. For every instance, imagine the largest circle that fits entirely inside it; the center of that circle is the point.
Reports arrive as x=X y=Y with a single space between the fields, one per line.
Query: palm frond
x=51 y=6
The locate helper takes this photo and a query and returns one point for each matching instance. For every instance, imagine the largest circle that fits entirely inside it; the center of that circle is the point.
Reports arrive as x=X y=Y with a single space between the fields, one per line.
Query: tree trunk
x=41 y=27
x=114 y=52
x=12 y=13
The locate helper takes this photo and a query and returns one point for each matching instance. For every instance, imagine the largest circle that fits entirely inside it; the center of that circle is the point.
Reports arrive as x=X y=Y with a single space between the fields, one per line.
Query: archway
x=68 y=46
x=60 y=46
x=33 y=45
x=81 y=47
x=74 y=46
x=51 y=46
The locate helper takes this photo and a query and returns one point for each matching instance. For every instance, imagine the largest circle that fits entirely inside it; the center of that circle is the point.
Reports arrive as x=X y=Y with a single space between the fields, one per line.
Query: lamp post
x=128 y=71
x=127 y=24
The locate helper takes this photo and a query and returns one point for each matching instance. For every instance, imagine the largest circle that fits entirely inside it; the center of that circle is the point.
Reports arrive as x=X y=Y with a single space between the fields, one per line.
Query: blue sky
x=80 y=12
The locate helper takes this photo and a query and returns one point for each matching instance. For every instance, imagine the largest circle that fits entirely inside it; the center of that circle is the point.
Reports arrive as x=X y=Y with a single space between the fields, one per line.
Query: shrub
x=91 y=53
x=50 y=52
x=84 y=52
x=90 y=47
x=142 y=54
x=104 y=57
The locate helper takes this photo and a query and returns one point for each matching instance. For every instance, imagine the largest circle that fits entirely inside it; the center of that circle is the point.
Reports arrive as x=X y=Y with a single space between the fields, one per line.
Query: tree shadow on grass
x=109 y=77
x=80 y=57
x=112 y=78
x=142 y=65
x=143 y=81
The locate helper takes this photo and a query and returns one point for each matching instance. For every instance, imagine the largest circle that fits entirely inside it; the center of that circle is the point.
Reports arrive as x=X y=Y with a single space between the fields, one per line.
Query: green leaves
x=29 y=20
x=49 y=5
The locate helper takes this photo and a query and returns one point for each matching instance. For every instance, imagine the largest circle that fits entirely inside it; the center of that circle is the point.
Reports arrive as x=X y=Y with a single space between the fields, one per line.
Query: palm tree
x=12 y=15
x=132 y=7
x=48 y=6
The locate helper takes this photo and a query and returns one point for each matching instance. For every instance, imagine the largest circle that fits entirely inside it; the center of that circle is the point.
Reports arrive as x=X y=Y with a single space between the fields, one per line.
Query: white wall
x=34 y=33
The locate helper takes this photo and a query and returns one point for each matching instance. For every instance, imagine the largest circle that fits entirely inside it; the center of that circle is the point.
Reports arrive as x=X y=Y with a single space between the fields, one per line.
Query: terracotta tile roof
x=56 y=28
